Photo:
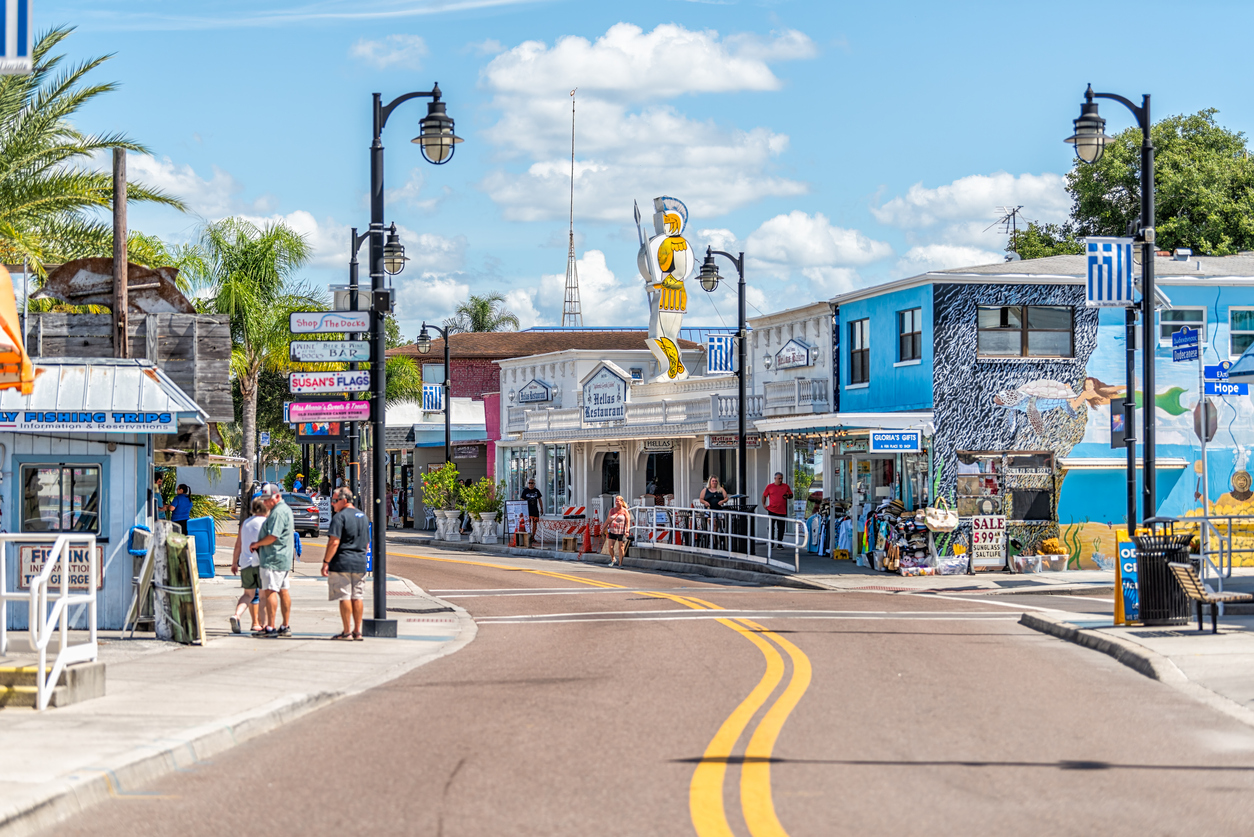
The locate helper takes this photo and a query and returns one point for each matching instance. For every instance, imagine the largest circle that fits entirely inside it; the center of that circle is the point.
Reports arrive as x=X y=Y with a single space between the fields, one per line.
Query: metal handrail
x=691 y=524
x=40 y=619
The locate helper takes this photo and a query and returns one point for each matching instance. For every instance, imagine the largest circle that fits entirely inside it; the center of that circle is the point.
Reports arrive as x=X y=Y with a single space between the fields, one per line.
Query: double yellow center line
x=705 y=791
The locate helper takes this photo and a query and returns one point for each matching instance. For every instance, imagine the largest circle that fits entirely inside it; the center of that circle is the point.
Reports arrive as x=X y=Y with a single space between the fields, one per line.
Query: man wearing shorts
x=344 y=563
x=275 y=547
x=244 y=562
x=535 y=504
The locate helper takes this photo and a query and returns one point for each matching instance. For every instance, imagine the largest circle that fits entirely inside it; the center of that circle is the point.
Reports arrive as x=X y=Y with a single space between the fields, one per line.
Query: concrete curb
x=748 y=576
x=1140 y=659
x=60 y=800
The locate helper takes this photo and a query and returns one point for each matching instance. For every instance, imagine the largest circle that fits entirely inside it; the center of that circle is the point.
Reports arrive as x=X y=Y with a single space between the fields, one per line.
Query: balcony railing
x=799 y=394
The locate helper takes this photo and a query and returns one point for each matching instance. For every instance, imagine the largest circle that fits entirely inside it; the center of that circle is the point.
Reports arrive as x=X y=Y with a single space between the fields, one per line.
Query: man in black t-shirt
x=344 y=563
x=535 y=503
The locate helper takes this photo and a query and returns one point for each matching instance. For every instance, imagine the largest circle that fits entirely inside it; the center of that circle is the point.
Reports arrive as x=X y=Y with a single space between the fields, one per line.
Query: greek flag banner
x=720 y=356
x=433 y=398
x=1109 y=272
x=16 y=38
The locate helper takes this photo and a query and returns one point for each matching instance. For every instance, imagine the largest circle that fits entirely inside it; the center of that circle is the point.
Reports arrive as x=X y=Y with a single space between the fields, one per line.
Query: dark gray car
x=304 y=514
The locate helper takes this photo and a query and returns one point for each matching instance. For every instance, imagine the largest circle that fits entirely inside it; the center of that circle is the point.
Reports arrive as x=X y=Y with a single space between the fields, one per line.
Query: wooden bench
x=1195 y=590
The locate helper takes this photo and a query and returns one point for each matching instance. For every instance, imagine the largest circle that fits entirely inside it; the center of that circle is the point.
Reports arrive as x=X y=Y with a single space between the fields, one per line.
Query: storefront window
x=659 y=475
x=60 y=498
x=807 y=472
x=979 y=484
x=521 y=467
x=555 y=496
x=721 y=464
x=1025 y=331
x=1018 y=484
x=609 y=473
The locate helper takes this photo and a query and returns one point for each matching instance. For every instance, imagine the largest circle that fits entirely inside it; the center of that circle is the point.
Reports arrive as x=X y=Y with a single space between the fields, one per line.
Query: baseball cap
x=270 y=488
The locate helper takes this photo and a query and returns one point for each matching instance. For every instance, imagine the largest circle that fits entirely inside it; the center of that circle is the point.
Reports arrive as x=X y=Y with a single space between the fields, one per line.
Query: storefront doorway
x=721 y=464
x=659 y=475
x=609 y=473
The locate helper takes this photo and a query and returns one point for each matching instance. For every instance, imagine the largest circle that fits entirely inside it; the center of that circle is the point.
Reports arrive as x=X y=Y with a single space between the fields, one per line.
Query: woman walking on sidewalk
x=617 y=524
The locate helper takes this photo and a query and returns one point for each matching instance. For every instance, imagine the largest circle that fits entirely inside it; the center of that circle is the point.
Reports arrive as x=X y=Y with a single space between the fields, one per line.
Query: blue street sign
x=1184 y=337
x=1226 y=388
x=1188 y=353
x=1218 y=372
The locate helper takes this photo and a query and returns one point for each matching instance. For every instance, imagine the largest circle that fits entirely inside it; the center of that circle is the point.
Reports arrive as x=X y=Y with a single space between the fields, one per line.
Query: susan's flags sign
x=16 y=37
x=1109 y=272
x=329 y=381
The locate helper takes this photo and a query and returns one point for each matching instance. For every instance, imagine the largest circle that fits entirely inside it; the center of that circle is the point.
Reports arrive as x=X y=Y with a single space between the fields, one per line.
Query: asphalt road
x=607 y=702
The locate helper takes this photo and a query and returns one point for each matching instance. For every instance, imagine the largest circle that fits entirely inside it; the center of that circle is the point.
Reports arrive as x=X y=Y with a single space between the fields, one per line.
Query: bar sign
x=16 y=38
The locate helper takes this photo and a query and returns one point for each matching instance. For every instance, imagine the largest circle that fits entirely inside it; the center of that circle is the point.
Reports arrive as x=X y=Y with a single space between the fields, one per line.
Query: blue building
x=1012 y=379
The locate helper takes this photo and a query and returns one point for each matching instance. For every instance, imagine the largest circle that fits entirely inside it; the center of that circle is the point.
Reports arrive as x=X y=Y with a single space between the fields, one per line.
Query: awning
x=836 y=422
x=16 y=371
x=99 y=395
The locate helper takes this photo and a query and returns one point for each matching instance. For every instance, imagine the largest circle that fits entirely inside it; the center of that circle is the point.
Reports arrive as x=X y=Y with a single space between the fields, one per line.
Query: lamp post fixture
x=354 y=428
x=1090 y=141
x=424 y=346
x=709 y=283
x=437 y=142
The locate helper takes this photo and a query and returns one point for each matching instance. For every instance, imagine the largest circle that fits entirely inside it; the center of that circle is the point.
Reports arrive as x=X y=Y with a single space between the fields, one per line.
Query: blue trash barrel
x=202 y=529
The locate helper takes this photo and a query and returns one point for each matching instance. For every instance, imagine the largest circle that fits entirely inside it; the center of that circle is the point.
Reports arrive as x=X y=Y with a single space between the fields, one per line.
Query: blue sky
x=838 y=144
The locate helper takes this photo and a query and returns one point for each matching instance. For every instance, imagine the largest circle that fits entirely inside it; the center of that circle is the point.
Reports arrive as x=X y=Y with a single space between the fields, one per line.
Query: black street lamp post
x=424 y=346
x=1090 y=141
x=437 y=141
x=709 y=282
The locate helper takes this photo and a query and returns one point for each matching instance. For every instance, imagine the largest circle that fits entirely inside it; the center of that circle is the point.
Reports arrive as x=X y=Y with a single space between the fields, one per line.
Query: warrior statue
x=665 y=261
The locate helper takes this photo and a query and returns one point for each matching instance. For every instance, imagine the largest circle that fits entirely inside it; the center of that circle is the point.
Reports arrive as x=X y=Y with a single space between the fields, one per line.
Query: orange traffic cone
x=520 y=529
x=590 y=530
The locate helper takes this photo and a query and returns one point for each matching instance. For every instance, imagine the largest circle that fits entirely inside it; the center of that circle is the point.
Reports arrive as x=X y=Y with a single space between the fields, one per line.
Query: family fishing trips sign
x=87 y=421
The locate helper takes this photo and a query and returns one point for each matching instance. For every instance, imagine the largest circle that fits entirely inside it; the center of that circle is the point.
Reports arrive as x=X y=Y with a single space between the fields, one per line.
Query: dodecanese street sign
x=329 y=381
x=322 y=351
x=329 y=322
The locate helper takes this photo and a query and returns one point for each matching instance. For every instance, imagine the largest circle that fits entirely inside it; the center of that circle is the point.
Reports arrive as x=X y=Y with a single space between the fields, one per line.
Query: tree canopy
x=1203 y=186
x=483 y=313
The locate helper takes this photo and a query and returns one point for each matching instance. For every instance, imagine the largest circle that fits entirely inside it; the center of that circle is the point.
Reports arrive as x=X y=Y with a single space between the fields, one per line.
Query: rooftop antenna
x=1009 y=223
x=572 y=314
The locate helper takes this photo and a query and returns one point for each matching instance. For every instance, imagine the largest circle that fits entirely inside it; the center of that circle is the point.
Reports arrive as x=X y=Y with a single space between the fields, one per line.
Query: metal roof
x=107 y=384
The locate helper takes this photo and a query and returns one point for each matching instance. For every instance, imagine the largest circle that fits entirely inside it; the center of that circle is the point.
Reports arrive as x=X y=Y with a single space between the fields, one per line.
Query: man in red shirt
x=775 y=498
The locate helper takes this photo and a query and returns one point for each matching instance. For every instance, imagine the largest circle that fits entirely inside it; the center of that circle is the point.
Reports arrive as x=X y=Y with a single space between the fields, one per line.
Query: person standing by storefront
x=712 y=497
x=775 y=498
x=298 y=483
x=157 y=499
x=617 y=525
x=181 y=508
x=535 y=504
x=275 y=548
x=244 y=562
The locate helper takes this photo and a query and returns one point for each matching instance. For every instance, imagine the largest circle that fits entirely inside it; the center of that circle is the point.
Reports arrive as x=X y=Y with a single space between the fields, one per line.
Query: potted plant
x=441 y=493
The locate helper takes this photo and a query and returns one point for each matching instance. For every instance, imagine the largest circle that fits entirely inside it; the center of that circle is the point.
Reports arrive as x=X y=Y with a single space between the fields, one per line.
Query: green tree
x=50 y=194
x=1203 y=185
x=482 y=313
x=392 y=336
x=1041 y=240
x=248 y=272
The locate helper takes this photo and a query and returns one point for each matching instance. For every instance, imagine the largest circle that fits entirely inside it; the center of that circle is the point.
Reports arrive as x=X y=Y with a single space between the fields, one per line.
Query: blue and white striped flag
x=433 y=397
x=720 y=357
x=16 y=38
x=1109 y=272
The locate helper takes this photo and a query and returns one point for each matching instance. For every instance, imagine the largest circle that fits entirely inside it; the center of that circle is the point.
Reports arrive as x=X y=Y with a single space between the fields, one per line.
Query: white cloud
x=522 y=301
x=604 y=299
x=411 y=192
x=213 y=198
x=927 y=257
x=427 y=252
x=427 y=296
x=405 y=51
x=806 y=241
x=1043 y=196
x=630 y=143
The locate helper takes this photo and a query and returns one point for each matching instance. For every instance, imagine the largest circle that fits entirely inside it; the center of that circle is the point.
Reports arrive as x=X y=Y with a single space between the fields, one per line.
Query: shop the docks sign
x=329 y=381
x=329 y=322
x=304 y=411
x=330 y=351
x=85 y=421
x=31 y=560
x=605 y=397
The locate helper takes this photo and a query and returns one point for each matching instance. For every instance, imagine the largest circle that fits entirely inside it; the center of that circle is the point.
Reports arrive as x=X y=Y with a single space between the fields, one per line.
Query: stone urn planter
x=485 y=527
x=449 y=524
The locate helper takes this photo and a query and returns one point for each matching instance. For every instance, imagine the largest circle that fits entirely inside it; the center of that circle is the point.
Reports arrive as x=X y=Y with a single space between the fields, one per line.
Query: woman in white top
x=245 y=562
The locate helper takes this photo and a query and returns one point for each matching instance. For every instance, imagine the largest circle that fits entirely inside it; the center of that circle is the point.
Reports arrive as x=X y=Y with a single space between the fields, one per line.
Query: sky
x=838 y=145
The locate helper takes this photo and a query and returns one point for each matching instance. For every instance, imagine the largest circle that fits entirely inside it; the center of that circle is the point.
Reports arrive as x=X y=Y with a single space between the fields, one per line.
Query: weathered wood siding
x=193 y=349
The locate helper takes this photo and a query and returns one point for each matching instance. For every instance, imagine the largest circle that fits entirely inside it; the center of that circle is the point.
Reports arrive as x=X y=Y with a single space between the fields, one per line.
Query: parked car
x=304 y=513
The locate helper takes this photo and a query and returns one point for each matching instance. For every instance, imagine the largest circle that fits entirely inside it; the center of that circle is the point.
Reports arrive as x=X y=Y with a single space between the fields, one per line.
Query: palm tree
x=247 y=273
x=49 y=193
x=483 y=313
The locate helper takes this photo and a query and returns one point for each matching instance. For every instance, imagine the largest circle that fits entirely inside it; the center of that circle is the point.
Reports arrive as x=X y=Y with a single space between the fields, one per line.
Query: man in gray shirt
x=344 y=562
x=274 y=548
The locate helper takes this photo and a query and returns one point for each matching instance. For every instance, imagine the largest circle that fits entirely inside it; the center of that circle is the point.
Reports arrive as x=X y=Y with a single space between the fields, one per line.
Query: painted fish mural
x=1037 y=398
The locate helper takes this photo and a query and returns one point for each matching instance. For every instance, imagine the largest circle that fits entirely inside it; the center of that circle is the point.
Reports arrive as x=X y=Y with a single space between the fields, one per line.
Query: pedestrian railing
x=43 y=620
x=738 y=535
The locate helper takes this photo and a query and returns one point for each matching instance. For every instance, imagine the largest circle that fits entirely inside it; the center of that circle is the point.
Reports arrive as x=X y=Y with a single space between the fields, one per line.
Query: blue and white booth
x=77 y=455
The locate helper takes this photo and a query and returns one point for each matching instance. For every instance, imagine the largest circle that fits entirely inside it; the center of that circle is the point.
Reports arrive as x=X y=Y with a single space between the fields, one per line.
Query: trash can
x=1162 y=601
x=202 y=530
x=740 y=524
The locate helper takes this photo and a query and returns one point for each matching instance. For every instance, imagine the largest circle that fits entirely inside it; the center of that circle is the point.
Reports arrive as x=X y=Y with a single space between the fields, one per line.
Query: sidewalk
x=167 y=706
x=824 y=573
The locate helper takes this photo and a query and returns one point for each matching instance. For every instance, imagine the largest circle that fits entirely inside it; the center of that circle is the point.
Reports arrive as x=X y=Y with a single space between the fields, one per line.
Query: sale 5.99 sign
x=988 y=540
x=31 y=560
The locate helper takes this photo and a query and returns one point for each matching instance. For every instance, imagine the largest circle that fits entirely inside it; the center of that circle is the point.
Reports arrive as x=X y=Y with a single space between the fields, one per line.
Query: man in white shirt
x=244 y=561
